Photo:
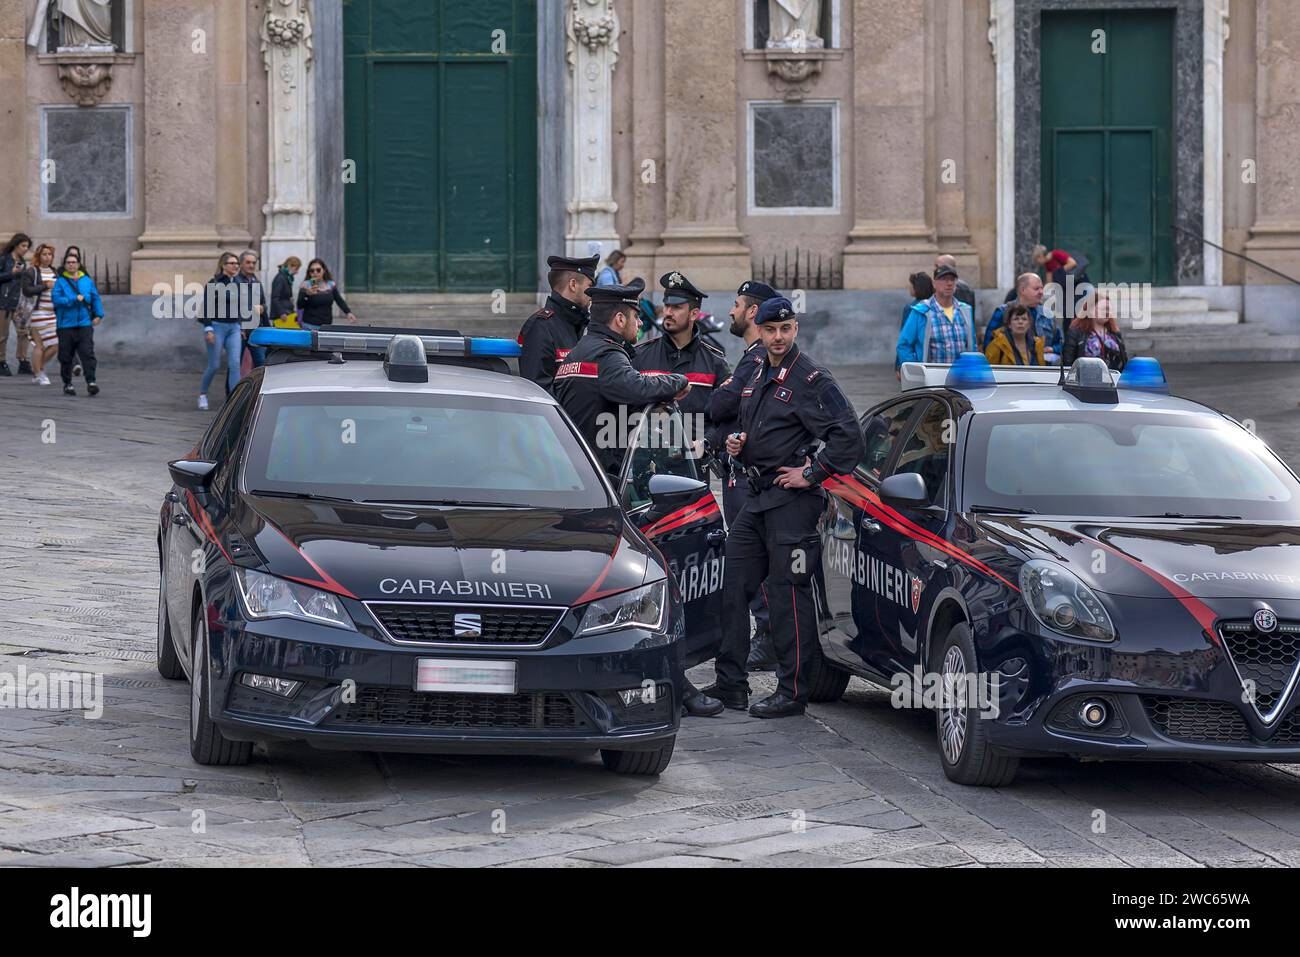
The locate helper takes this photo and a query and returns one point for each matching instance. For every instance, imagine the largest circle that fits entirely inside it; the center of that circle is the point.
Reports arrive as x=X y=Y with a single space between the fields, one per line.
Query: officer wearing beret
x=681 y=349
x=549 y=333
x=789 y=404
x=724 y=413
x=597 y=375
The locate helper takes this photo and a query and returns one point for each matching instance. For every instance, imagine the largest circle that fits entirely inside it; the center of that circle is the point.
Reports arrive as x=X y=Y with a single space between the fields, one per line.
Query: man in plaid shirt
x=940 y=329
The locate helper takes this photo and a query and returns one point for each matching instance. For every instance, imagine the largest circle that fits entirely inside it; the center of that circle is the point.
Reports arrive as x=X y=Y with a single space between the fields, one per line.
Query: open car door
x=664 y=489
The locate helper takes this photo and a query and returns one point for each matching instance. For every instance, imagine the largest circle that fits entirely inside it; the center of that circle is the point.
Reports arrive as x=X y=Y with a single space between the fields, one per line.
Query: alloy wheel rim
x=953 y=715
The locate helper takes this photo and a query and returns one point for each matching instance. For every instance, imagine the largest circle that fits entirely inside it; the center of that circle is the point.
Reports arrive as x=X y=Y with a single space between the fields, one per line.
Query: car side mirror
x=192 y=474
x=906 y=489
x=669 y=492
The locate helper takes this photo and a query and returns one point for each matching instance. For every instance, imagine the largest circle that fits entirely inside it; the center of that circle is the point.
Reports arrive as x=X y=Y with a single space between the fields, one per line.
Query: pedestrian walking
x=1016 y=343
x=252 y=302
x=43 y=327
x=789 y=405
x=612 y=274
x=724 y=410
x=939 y=331
x=283 y=312
x=221 y=326
x=922 y=288
x=1029 y=293
x=13 y=265
x=1096 y=333
x=318 y=296
x=77 y=310
x=549 y=333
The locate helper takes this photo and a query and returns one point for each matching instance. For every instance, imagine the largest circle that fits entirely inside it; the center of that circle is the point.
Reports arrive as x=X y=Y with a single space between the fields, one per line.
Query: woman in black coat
x=1095 y=333
x=317 y=296
x=282 y=288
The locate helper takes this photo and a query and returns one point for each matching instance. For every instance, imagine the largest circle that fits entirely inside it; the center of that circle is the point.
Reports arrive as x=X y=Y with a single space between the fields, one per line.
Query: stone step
x=1241 y=345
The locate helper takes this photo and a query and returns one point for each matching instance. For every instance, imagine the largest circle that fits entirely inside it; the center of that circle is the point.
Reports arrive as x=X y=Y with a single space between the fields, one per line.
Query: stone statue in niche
x=794 y=25
x=85 y=23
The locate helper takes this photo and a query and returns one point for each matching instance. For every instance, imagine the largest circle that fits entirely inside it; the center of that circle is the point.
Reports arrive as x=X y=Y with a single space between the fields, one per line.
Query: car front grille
x=400 y=708
x=1214 y=722
x=1266 y=661
x=455 y=624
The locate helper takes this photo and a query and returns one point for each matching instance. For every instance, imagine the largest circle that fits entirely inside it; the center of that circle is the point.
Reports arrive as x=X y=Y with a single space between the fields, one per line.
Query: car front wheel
x=964 y=748
x=639 y=762
x=207 y=744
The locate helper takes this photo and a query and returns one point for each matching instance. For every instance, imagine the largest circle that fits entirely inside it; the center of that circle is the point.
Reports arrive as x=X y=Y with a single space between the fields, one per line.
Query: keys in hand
x=736 y=442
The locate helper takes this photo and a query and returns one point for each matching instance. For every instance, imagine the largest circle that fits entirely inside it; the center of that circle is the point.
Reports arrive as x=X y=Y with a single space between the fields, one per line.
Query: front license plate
x=449 y=674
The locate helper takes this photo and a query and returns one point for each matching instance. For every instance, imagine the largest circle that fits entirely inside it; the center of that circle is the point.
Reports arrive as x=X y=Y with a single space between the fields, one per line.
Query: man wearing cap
x=724 y=410
x=549 y=333
x=940 y=329
x=681 y=349
x=789 y=405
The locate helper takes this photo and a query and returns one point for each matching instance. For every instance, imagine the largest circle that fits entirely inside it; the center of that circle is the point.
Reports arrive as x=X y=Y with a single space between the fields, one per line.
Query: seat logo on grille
x=1265 y=621
x=468 y=625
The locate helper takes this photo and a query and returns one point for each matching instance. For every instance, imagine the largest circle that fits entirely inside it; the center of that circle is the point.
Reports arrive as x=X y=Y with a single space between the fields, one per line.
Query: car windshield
x=420 y=447
x=1125 y=464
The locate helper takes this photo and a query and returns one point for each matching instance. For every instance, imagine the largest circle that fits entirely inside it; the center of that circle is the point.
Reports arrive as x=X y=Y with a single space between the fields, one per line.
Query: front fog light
x=283 y=687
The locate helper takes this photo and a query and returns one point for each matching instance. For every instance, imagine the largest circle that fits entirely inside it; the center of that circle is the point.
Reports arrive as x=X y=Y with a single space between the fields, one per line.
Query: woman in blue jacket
x=77 y=310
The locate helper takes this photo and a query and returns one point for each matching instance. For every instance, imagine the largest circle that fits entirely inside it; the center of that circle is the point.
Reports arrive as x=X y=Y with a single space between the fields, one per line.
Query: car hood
x=419 y=553
x=1164 y=558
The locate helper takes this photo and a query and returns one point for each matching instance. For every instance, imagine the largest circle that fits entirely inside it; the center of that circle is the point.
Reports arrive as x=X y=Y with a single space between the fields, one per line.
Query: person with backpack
x=13 y=266
x=77 y=310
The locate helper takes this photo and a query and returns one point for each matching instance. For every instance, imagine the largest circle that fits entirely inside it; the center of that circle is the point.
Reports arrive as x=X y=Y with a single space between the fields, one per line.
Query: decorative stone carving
x=290 y=207
x=793 y=73
x=85 y=81
x=591 y=31
x=794 y=25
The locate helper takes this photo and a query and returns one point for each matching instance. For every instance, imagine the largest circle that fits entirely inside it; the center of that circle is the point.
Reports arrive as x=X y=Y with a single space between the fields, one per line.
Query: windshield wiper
x=307 y=496
x=442 y=501
x=1002 y=510
x=1185 y=515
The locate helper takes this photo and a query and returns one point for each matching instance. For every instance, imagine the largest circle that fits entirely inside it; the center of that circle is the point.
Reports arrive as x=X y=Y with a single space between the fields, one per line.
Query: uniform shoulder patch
x=812 y=376
x=546 y=313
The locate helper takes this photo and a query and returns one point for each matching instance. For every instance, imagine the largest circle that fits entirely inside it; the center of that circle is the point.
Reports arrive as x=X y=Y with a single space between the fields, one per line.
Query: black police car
x=388 y=542
x=1084 y=567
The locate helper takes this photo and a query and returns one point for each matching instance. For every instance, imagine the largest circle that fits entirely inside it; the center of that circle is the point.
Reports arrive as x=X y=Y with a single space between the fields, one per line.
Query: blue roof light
x=1144 y=372
x=283 y=338
x=504 y=348
x=971 y=370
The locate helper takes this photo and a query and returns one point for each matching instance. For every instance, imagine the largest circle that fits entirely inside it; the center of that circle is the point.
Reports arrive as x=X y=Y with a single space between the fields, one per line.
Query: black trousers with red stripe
x=779 y=544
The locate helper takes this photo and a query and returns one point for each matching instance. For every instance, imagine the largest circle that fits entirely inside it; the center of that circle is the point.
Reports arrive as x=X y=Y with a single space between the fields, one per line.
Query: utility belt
x=760 y=480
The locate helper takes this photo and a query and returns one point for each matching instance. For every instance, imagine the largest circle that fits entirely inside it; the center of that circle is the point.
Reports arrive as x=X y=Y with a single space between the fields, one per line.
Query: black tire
x=169 y=663
x=639 y=762
x=975 y=761
x=828 y=682
x=207 y=744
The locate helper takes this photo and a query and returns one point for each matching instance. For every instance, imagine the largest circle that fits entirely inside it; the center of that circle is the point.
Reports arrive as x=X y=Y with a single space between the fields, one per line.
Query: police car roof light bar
x=971 y=370
x=361 y=340
x=1145 y=373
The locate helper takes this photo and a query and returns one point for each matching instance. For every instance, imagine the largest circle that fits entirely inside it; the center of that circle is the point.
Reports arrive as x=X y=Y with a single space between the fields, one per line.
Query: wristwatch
x=808 y=475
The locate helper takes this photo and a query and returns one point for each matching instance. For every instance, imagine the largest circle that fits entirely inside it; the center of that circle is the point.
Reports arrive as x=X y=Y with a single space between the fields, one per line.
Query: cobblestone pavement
x=856 y=783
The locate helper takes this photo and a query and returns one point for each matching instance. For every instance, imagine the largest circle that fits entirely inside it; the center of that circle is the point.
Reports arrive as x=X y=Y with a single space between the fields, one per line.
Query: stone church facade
x=446 y=147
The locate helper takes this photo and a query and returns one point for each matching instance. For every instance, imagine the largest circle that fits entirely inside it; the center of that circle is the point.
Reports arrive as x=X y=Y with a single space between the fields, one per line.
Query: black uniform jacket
x=784 y=411
x=596 y=378
x=547 y=336
x=724 y=403
x=703 y=364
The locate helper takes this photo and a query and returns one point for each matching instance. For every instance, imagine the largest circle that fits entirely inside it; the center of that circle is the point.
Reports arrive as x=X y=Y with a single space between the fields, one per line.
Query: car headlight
x=1063 y=603
x=266 y=596
x=639 y=608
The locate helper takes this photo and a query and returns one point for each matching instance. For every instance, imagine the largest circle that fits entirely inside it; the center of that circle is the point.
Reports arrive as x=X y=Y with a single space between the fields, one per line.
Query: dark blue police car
x=387 y=542
x=1083 y=567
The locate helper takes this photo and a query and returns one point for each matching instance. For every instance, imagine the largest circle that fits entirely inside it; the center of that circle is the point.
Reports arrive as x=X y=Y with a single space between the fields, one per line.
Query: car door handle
x=172 y=497
x=179 y=520
x=934 y=563
x=716 y=537
x=870 y=527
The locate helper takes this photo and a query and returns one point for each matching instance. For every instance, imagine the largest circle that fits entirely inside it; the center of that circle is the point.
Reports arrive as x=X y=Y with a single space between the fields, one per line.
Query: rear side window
x=881 y=432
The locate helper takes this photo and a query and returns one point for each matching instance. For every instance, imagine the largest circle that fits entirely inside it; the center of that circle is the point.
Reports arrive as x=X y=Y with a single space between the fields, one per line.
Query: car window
x=880 y=432
x=661 y=448
x=925 y=451
x=226 y=428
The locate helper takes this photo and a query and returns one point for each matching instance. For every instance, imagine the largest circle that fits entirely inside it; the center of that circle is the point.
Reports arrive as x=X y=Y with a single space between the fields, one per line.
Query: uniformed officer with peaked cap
x=550 y=332
x=787 y=407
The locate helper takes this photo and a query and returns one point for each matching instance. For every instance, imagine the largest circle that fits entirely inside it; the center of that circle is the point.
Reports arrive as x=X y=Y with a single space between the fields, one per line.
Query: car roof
x=1037 y=397
x=368 y=376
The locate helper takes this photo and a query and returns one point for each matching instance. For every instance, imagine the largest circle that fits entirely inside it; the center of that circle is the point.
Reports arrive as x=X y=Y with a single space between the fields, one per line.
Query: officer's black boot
x=762 y=657
x=777 y=706
x=699 y=705
x=737 y=699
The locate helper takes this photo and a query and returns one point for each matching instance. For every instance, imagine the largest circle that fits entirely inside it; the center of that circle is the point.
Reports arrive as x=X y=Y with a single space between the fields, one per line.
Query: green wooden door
x=1107 y=147
x=440 y=104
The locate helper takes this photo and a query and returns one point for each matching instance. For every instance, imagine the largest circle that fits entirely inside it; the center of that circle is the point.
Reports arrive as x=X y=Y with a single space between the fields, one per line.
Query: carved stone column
x=291 y=142
x=648 y=184
x=13 y=122
x=591 y=28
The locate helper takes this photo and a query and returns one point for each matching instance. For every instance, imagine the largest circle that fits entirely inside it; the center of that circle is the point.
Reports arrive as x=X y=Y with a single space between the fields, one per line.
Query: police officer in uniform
x=724 y=412
x=549 y=333
x=789 y=404
x=681 y=349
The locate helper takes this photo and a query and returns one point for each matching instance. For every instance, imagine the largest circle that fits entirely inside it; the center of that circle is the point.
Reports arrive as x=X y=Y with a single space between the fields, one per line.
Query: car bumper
x=357 y=692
